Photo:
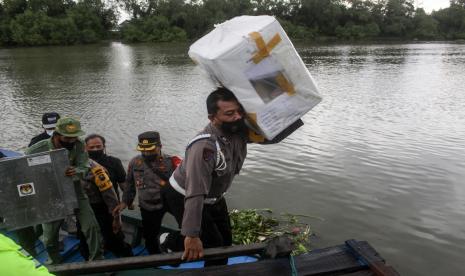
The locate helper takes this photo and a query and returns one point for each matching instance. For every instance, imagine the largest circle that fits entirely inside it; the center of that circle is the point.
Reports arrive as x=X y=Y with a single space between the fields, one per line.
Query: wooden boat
x=353 y=258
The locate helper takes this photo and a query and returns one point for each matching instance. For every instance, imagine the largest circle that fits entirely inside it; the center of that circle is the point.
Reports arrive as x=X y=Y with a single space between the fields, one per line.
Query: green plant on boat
x=258 y=225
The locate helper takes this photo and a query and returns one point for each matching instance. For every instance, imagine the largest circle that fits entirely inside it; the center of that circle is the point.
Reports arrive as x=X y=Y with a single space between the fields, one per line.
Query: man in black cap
x=49 y=121
x=149 y=174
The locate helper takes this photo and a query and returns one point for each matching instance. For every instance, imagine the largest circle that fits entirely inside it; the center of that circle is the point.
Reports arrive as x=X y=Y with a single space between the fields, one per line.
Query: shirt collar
x=225 y=139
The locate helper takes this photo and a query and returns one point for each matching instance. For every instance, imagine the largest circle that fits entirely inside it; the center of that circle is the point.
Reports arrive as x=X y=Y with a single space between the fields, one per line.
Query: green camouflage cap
x=69 y=127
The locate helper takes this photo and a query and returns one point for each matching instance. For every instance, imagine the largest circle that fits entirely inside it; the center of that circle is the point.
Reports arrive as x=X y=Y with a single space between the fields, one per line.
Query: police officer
x=149 y=174
x=66 y=135
x=103 y=200
x=211 y=161
x=49 y=121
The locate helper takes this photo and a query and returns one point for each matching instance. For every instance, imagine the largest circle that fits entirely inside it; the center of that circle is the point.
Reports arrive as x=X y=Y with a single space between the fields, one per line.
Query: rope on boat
x=293 y=268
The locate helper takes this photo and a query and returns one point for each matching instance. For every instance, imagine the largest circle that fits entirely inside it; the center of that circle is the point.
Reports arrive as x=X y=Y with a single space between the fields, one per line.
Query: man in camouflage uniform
x=212 y=160
x=149 y=174
x=66 y=135
x=103 y=200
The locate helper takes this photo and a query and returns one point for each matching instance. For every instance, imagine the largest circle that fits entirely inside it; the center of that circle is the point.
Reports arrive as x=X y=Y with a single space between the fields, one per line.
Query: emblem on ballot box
x=26 y=189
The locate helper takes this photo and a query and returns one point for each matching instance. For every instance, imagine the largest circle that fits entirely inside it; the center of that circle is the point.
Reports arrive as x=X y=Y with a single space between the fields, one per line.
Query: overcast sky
x=430 y=5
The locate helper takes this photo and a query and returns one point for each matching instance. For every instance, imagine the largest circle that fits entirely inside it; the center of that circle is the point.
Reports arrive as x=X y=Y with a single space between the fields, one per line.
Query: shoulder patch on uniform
x=208 y=154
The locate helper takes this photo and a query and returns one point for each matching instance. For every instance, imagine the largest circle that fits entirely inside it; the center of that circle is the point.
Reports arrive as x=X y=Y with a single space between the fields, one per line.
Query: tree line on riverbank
x=48 y=22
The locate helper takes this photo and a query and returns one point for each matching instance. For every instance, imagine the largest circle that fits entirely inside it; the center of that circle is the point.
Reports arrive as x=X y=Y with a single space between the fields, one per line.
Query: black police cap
x=148 y=140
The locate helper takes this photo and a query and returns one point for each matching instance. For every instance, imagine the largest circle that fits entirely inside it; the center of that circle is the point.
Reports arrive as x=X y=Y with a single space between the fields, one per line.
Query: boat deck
x=354 y=258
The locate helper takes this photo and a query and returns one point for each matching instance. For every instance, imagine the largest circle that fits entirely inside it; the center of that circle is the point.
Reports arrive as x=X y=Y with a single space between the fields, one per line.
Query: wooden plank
x=335 y=260
x=371 y=258
x=151 y=260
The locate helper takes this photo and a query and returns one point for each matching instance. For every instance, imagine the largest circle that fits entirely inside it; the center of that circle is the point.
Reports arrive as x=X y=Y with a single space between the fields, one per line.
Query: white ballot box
x=253 y=57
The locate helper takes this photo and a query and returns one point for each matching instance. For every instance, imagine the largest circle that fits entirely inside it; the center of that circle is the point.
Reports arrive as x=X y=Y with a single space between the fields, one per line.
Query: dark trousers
x=173 y=203
x=27 y=238
x=113 y=242
x=215 y=229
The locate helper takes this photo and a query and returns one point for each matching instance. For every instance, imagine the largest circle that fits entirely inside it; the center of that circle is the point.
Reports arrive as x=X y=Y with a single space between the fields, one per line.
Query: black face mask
x=238 y=126
x=150 y=158
x=66 y=145
x=95 y=154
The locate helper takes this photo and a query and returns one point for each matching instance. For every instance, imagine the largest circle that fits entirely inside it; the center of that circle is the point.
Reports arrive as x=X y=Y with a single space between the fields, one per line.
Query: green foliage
x=424 y=26
x=302 y=19
x=54 y=22
x=258 y=225
x=452 y=20
x=298 y=32
x=352 y=31
x=152 y=29
x=41 y=22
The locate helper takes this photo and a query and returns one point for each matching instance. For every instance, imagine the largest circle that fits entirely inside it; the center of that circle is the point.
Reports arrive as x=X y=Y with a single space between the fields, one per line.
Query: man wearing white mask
x=49 y=121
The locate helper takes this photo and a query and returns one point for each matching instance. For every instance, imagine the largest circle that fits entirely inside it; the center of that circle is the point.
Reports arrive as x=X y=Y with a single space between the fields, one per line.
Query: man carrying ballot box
x=212 y=160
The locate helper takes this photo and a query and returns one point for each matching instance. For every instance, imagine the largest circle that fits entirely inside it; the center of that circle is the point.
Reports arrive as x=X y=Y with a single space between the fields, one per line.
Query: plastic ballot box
x=34 y=189
x=253 y=57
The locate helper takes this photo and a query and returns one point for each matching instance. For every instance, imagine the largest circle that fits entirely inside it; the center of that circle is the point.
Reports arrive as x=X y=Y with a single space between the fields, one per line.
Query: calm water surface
x=381 y=159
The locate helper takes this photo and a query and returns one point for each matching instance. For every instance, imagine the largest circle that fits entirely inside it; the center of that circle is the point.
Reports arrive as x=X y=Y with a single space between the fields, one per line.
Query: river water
x=381 y=158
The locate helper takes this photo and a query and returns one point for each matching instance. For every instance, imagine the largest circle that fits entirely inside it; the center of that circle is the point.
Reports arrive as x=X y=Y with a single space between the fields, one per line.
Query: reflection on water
x=381 y=159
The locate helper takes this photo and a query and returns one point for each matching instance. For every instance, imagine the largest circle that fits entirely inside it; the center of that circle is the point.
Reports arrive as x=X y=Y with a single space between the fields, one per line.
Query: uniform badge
x=71 y=128
x=208 y=154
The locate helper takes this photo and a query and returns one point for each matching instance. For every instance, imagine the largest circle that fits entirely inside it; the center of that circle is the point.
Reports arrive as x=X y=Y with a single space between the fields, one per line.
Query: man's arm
x=109 y=197
x=36 y=148
x=81 y=162
x=101 y=179
x=200 y=164
x=129 y=190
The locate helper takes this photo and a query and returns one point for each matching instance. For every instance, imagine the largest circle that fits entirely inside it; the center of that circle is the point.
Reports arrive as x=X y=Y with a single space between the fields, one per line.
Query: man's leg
x=51 y=235
x=83 y=247
x=223 y=222
x=27 y=239
x=173 y=201
x=216 y=229
x=151 y=223
x=113 y=242
x=90 y=229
